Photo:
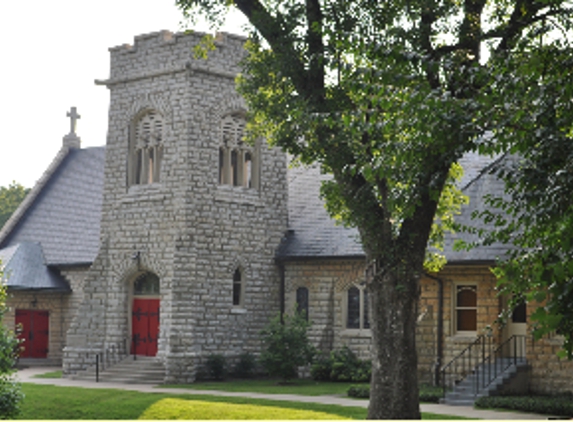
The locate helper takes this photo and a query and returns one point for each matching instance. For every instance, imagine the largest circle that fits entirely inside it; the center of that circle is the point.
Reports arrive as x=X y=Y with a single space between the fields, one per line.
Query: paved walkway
x=28 y=374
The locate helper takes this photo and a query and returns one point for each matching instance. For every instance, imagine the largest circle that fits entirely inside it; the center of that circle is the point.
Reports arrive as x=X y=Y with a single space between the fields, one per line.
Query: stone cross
x=74 y=116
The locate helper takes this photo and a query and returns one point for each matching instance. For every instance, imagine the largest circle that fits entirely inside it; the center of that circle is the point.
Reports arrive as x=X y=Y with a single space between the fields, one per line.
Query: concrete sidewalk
x=28 y=374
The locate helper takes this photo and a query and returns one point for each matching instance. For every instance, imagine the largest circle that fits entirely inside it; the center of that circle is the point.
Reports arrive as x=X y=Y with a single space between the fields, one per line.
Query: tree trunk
x=394 y=307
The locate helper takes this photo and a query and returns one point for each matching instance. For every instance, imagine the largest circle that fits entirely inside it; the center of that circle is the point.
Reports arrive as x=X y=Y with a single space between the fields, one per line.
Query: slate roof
x=65 y=216
x=313 y=234
x=24 y=268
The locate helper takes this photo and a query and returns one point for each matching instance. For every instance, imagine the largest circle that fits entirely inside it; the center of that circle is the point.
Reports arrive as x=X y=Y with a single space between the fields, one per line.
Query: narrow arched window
x=357 y=312
x=238 y=161
x=145 y=148
x=302 y=301
x=237 y=288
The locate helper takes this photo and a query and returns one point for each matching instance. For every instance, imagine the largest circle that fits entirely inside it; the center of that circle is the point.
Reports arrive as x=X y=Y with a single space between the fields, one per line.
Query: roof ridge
x=36 y=190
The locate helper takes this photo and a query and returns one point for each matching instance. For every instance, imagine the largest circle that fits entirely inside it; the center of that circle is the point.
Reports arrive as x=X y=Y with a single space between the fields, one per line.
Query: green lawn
x=303 y=387
x=52 y=402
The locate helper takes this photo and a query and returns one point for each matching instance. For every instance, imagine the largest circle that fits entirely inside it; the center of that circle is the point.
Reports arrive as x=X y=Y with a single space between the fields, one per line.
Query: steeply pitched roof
x=64 y=215
x=313 y=234
x=24 y=268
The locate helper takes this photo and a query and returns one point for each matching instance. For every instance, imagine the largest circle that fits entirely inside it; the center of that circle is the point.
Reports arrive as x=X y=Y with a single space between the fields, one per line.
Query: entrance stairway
x=484 y=369
x=467 y=391
x=143 y=370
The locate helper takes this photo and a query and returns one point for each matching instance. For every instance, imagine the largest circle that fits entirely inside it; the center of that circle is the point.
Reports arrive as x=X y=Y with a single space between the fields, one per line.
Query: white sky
x=50 y=55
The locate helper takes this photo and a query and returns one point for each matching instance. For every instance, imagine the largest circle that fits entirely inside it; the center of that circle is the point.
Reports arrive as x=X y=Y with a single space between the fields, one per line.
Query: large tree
x=10 y=198
x=387 y=96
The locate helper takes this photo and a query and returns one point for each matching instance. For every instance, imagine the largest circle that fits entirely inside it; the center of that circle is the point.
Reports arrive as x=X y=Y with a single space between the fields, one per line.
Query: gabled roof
x=24 y=268
x=63 y=211
x=313 y=234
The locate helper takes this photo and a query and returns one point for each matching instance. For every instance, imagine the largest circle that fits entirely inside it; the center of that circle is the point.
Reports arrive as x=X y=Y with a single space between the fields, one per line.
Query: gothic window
x=145 y=149
x=238 y=290
x=238 y=165
x=466 y=307
x=302 y=301
x=357 y=316
x=146 y=284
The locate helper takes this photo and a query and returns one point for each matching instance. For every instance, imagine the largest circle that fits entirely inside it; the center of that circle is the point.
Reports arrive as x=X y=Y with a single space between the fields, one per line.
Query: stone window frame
x=238 y=292
x=363 y=311
x=302 y=296
x=146 y=146
x=239 y=162
x=456 y=308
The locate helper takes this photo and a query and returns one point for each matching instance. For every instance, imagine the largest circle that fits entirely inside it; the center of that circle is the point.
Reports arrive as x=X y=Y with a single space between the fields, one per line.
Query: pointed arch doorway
x=145 y=315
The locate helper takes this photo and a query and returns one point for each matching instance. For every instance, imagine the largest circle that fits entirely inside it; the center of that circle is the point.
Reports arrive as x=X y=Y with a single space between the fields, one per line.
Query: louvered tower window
x=238 y=165
x=146 y=149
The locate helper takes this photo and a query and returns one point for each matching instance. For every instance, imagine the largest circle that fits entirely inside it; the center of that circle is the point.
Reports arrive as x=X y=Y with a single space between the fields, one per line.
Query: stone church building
x=177 y=240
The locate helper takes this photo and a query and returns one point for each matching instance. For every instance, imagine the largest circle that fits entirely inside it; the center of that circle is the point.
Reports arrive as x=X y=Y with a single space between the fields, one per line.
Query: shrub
x=321 y=368
x=427 y=394
x=548 y=405
x=359 y=391
x=245 y=366
x=347 y=367
x=286 y=346
x=216 y=367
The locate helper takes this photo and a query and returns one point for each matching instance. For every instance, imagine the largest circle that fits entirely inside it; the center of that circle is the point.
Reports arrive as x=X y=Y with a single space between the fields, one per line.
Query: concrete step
x=143 y=370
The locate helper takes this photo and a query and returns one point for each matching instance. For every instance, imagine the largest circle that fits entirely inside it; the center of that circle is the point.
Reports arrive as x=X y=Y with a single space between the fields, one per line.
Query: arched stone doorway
x=145 y=315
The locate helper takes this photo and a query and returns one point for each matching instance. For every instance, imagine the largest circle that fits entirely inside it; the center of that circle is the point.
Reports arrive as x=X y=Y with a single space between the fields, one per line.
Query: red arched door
x=145 y=326
x=35 y=332
x=145 y=315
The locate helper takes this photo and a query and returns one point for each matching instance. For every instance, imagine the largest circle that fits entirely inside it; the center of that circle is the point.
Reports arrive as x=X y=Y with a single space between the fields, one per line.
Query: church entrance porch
x=145 y=315
x=35 y=332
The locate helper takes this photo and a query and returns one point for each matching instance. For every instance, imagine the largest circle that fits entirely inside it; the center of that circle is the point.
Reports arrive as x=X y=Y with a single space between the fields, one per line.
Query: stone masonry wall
x=61 y=308
x=187 y=229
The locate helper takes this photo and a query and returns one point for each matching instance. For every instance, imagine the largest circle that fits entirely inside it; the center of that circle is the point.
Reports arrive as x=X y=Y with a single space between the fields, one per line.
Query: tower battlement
x=164 y=51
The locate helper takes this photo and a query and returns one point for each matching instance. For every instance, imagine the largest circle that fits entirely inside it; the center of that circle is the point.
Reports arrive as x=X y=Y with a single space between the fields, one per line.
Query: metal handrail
x=478 y=358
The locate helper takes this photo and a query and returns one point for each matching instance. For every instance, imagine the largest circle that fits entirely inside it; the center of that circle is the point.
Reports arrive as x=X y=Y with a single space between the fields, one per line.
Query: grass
x=53 y=402
x=53 y=374
x=304 y=387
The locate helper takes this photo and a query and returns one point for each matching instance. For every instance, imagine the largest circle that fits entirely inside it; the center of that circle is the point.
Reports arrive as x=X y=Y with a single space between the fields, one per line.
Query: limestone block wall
x=185 y=227
x=61 y=308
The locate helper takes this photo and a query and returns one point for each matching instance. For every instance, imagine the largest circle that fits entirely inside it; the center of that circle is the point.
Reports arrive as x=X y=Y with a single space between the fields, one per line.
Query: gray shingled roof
x=65 y=217
x=313 y=234
x=486 y=183
x=24 y=268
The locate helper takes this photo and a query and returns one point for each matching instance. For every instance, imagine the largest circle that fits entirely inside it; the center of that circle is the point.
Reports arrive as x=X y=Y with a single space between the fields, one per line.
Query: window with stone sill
x=145 y=149
x=465 y=312
x=238 y=161
x=357 y=313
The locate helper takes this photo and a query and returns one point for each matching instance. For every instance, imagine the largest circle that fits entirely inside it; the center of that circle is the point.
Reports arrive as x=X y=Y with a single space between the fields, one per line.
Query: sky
x=51 y=54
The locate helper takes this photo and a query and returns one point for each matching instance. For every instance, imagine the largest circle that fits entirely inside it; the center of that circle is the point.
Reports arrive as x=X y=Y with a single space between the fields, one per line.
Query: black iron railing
x=484 y=360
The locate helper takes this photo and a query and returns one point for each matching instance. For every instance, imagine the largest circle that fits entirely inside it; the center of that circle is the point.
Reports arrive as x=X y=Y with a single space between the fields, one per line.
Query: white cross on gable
x=74 y=116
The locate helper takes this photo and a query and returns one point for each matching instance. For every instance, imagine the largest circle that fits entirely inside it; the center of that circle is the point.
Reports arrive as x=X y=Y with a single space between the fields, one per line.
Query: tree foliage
x=10 y=392
x=286 y=346
x=10 y=198
x=535 y=217
x=387 y=97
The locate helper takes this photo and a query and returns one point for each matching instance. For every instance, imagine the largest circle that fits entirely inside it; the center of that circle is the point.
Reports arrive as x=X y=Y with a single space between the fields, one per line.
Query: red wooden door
x=35 y=332
x=145 y=326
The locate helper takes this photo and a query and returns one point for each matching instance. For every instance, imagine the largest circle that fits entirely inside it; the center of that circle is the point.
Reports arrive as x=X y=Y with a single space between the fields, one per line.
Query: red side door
x=145 y=326
x=35 y=332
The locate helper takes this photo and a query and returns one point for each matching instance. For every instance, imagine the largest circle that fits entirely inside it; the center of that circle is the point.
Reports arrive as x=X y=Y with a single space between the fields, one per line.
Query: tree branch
x=273 y=32
x=315 y=51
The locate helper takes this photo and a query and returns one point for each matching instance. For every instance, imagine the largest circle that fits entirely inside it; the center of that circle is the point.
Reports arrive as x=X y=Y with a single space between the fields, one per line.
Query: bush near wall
x=427 y=394
x=561 y=405
x=342 y=365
